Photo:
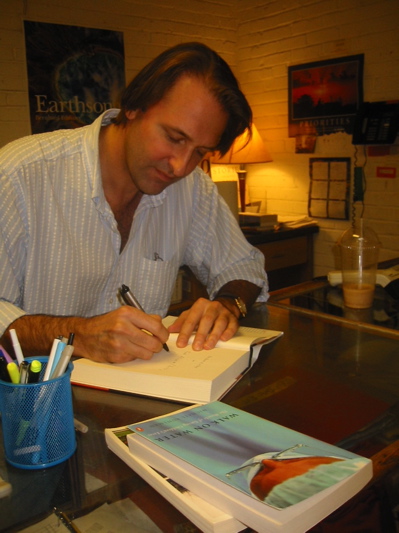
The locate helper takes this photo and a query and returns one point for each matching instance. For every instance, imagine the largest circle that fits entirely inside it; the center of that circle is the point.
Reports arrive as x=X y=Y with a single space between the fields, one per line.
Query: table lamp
x=242 y=153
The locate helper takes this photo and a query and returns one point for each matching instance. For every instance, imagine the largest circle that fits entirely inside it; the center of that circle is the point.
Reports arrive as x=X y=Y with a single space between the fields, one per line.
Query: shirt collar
x=92 y=144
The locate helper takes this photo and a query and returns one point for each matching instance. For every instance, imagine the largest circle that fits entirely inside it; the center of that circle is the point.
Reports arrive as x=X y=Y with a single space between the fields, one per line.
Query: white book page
x=242 y=340
x=183 y=361
x=206 y=364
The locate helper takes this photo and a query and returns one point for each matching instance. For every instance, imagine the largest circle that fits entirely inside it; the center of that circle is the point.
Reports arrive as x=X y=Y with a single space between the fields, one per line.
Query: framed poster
x=324 y=96
x=74 y=74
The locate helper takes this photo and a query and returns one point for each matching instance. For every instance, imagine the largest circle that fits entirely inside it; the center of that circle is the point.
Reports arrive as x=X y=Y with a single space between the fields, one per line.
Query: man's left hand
x=210 y=321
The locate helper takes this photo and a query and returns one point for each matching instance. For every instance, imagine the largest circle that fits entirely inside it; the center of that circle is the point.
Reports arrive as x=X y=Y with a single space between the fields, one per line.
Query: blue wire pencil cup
x=37 y=420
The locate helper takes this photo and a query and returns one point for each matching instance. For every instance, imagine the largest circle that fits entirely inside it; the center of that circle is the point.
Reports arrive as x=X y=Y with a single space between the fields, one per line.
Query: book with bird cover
x=267 y=476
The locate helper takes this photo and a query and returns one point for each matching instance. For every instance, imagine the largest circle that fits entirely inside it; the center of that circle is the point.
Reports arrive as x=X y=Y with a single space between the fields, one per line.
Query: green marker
x=13 y=372
x=34 y=371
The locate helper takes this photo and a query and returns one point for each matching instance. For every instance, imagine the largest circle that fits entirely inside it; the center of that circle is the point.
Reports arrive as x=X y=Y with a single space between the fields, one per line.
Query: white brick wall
x=275 y=35
x=260 y=39
x=149 y=26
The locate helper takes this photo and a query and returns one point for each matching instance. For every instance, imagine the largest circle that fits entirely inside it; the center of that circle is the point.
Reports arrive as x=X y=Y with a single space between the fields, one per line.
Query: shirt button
x=111 y=300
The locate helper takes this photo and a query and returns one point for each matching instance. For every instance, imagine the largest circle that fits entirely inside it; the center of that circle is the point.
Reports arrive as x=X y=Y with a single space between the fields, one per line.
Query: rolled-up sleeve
x=217 y=250
x=13 y=237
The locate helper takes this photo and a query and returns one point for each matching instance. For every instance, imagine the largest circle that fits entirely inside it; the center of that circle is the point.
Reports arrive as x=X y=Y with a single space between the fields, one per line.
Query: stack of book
x=200 y=512
x=258 y=221
x=239 y=470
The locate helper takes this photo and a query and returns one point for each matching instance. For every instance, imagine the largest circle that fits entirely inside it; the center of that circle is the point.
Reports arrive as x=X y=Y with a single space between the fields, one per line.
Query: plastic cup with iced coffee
x=359 y=247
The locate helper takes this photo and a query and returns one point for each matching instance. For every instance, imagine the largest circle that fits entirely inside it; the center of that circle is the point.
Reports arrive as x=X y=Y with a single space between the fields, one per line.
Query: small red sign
x=386 y=172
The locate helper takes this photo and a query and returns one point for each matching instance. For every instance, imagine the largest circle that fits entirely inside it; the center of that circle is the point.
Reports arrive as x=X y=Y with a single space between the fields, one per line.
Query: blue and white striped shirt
x=60 y=246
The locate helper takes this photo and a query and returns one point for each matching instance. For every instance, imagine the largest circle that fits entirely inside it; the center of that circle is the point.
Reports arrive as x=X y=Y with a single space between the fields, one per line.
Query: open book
x=269 y=477
x=204 y=515
x=181 y=374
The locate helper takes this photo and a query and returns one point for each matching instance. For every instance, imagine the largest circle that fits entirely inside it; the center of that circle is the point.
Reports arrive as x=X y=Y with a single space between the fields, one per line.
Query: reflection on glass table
x=324 y=298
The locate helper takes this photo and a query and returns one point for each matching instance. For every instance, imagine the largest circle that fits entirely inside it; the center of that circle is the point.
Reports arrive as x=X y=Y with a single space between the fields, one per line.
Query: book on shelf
x=269 y=477
x=181 y=374
x=258 y=219
x=204 y=515
x=296 y=222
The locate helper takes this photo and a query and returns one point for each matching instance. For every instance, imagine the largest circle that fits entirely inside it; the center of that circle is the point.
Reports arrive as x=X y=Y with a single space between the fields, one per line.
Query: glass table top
x=329 y=300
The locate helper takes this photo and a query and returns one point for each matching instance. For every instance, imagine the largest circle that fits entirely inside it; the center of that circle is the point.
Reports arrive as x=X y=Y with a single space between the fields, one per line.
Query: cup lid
x=359 y=236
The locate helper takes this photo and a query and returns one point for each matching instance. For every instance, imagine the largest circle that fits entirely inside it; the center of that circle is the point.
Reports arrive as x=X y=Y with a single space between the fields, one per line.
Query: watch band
x=237 y=300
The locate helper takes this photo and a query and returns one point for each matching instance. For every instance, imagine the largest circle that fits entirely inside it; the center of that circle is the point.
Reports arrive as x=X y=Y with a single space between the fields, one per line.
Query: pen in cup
x=17 y=347
x=50 y=361
x=64 y=358
x=60 y=348
x=63 y=362
x=4 y=375
x=13 y=371
x=6 y=355
x=24 y=372
x=34 y=370
x=130 y=299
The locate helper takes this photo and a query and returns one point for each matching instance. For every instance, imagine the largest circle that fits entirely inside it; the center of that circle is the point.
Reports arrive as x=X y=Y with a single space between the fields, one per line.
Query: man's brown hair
x=150 y=85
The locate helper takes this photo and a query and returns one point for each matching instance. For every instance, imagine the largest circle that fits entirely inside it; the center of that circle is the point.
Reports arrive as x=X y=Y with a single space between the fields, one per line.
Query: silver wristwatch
x=237 y=300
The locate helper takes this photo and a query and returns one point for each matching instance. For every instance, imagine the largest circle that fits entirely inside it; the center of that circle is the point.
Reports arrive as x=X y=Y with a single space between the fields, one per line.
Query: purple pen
x=7 y=356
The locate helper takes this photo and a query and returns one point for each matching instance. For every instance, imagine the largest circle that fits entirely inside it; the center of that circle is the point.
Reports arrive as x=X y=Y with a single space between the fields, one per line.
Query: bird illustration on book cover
x=287 y=477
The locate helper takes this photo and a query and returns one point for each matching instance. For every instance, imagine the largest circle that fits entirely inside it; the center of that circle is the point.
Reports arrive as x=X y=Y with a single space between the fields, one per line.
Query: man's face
x=166 y=142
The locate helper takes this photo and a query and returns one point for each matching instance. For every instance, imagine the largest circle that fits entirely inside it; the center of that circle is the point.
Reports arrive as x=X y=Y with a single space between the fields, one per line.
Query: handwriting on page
x=186 y=355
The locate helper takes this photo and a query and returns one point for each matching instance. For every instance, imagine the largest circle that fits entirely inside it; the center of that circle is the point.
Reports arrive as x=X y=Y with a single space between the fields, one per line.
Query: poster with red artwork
x=324 y=96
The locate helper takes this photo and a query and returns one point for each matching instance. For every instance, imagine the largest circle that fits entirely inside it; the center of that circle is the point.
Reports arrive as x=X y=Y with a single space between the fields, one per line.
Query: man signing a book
x=123 y=201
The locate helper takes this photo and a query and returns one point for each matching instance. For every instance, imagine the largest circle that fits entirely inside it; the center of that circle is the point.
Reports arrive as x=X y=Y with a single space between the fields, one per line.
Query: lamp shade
x=243 y=152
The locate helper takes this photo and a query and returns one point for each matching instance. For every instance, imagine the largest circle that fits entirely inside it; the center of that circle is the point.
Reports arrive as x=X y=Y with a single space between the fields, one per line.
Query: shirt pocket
x=155 y=283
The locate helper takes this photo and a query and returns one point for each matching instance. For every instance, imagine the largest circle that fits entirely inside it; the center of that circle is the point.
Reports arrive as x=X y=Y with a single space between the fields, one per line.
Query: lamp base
x=242 y=174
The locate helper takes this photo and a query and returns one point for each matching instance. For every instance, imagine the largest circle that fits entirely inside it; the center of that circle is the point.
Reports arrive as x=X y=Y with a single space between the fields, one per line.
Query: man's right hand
x=120 y=336
x=115 y=337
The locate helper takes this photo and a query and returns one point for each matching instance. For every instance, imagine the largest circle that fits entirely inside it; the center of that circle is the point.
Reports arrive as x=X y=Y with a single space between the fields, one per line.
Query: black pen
x=4 y=375
x=24 y=372
x=66 y=521
x=130 y=299
x=35 y=368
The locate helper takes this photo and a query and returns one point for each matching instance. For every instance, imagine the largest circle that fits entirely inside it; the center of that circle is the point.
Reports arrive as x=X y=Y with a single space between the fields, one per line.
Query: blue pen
x=57 y=355
x=63 y=362
x=64 y=359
